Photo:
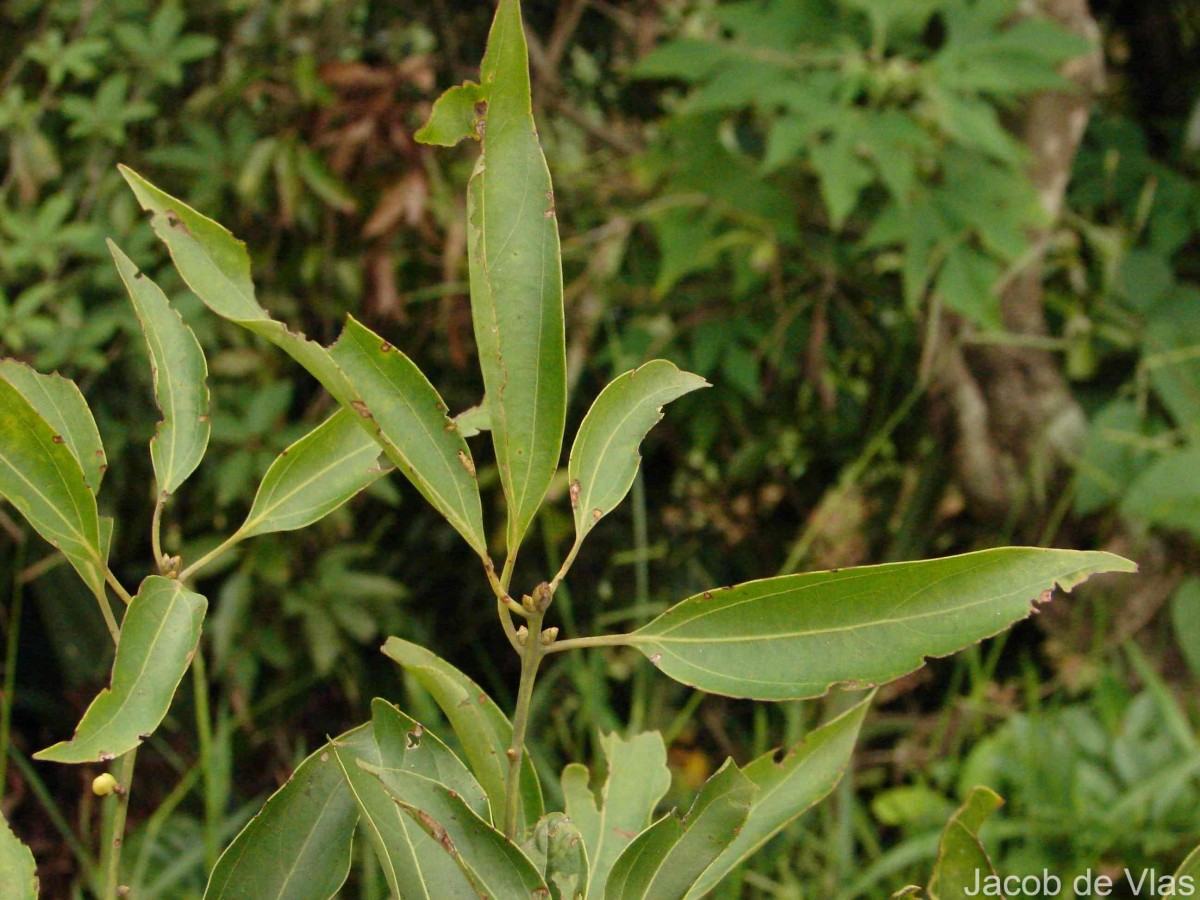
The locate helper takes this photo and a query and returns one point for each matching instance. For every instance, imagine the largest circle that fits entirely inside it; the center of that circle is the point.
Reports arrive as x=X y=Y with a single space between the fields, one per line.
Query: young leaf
x=788 y=787
x=298 y=846
x=557 y=850
x=314 y=476
x=179 y=372
x=482 y=728
x=18 y=873
x=667 y=859
x=605 y=458
x=961 y=860
x=41 y=477
x=638 y=778
x=59 y=402
x=158 y=637
x=799 y=635
x=516 y=280
x=493 y=865
x=409 y=419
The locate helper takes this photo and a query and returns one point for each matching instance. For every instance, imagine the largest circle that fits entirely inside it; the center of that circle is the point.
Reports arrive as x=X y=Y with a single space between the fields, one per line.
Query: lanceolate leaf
x=18 y=874
x=408 y=418
x=638 y=778
x=799 y=635
x=179 y=372
x=41 y=477
x=59 y=402
x=482 y=728
x=516 y=279
x=962 y=863
x=314 y=476
x=158 y=637
x=299 y=845
x=216 y=267
x=667 y=859
x=605 y=458
x=788 y=787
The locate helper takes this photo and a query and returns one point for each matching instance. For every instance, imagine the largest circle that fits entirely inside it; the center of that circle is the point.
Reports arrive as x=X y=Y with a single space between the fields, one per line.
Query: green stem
x=597 y=640
x=204 y=736
x=13 y=628
x=531 y=657
x=156 y=530
x=118 y=588
x=228 y=544
x=116 y=833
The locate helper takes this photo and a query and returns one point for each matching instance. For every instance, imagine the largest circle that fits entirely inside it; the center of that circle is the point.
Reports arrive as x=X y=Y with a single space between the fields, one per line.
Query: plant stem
x=228 y=544
x=531 y=657
x=204 y=736
x=118 y=588
x=156 y=530
x=116 y=834
x=12 y=630
x=596 y=640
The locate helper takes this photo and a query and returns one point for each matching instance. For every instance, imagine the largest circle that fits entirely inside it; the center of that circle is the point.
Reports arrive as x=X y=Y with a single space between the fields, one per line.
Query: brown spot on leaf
x=58 y=439
x=467 y=463
x=656 y=657
x=107 y=757
x=361 y=408
x=385 y=346
x=1045 y=596
x=597 y=514
x=576 y=489
x=708 y=595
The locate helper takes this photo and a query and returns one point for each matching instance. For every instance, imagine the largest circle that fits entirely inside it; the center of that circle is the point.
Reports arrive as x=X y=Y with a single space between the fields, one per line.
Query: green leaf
x=456 y=115
x=1115 y=452
x=216 y=267
x=605 y=458
x=1166 y=493
x=799 y=635
x=1185 y=619
x=472 y=421
x=1169 y=353
x=408 y=418
x=516 y=280
x=1190 y=867
x=638 y=778
x=41 y=477
x=495 y=866
x=559 y=853
x=59 y=402
x=158 y=637
x=18 y=873
x=482 y=728
x=314 y=476
x=298 y=846
x=787 y=787
x=961 y=859
x=180 y=375
x=672 y=854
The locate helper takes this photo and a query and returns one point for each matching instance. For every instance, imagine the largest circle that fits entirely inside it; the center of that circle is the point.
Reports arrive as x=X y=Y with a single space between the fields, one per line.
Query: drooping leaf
x=158 y=637
x=516 y=280
x=638 y=778
x=456 y=115
x=667 y=859
x=408 y=418
x=482 y=728
x=41 y=477
x=559 y=853
x=788 y=787
x=314 y=476
x=180 y=374
x=799 y=635
x=605 y=458
x=298 y=846
x=18 y=873
x=961 y=859
x=59 y=402
x=216 y=267
x=493 y=864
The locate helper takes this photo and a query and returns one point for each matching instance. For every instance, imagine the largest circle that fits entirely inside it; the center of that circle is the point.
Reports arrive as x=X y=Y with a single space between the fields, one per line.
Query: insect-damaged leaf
x=158 y=637
x=799 y=635
x=179 y=373
x=456 y=115
x=605 y=458
x=961 y=861
x=314 y=476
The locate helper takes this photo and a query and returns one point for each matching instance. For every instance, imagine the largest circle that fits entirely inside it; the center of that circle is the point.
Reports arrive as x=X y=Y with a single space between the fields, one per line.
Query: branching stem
x=116 y=834
x=531 y=658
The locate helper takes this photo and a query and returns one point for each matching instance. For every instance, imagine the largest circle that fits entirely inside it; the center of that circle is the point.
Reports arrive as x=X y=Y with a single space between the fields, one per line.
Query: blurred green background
x=937 y=257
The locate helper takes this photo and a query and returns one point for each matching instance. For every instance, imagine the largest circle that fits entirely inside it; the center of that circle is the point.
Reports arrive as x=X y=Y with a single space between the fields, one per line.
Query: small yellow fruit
x=103 y=785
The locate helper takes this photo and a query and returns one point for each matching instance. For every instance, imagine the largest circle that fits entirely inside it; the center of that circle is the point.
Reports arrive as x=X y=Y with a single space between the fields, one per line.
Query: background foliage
x=785 y=197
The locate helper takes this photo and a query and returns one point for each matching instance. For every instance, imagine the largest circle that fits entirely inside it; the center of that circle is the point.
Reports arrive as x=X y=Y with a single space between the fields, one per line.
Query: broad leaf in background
x=18 y=873
x=962 y=863
x=638 y=778
x=1166 y=493
x=179 y=372
x=408 y=418
x=478 y=722
x=1115 y=452
x=298 y=846
x=605 y=458
x=494 y=865
x=1169 y=355
x=314 y=476
x=41 y=477
x=216 y=267
x=158 y=637
x=667 y=859
x=516 y=280
x=59 y=402
x=799 y=635
x=559 y=853
x=787 y=787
